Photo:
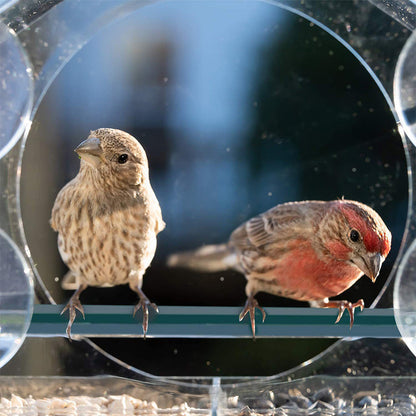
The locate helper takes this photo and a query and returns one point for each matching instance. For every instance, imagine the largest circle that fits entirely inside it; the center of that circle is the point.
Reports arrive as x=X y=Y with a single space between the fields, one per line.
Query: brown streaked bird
x=308 y=251
x=107 y=219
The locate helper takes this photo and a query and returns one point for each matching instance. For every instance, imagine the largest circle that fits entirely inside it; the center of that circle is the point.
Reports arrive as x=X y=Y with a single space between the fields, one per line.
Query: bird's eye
x=122 y=158
x=354 y=236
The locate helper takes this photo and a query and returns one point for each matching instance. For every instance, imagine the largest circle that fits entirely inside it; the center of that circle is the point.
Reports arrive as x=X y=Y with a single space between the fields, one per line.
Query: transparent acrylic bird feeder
x=245 y=106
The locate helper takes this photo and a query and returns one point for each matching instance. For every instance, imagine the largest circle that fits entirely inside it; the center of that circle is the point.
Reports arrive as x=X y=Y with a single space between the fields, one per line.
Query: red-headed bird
x=308 y=251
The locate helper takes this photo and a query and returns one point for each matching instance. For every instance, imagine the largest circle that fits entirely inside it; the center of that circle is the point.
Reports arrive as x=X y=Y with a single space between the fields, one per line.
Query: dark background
x=240 y=106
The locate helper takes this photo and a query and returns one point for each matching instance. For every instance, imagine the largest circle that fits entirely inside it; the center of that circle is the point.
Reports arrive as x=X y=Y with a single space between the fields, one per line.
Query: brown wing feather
x=274 y=226
x=61 y=206
x=271 y=234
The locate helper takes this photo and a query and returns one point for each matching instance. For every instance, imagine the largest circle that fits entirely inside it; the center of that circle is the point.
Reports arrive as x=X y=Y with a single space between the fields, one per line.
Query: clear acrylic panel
x=405 y=88
x=16 y=298
x=72 y=71
x=16 y=92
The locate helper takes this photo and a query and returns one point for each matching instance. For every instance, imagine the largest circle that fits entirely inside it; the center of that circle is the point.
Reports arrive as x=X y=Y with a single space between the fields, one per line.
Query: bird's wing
x=60 y=207
x=274 y=226
x=54 y=221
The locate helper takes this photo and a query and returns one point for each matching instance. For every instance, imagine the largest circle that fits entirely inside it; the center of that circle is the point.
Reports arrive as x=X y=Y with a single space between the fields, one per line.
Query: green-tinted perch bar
x=212 y=322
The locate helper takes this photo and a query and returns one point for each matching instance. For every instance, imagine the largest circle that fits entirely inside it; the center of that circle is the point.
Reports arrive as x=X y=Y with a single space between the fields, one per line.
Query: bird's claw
x=144 y=304
x=73 y=305
x=250 y=307
x=350 y=307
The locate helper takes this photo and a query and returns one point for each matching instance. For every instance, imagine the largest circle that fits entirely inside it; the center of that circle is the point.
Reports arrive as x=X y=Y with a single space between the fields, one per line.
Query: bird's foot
x=250 y=307
x=342 y=305
x=73 y=305
x=144 y=304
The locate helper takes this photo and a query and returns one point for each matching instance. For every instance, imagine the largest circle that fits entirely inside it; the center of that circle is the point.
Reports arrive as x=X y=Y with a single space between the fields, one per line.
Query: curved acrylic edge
x=28 y=293
x=403 y=306
x=403 y=68
x=24 y=119
x=403 y=295
x=52 y=69
x=402 y=11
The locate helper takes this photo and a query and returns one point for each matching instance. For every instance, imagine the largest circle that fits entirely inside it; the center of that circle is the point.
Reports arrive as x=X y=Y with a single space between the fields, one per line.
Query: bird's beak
x=90 y=150
x=370 y=265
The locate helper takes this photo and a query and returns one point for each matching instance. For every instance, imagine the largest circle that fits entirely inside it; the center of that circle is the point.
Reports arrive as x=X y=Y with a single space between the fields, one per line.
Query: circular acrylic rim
x=397 y=84
x=30 y=294
x=25 y=119
x=324 y=353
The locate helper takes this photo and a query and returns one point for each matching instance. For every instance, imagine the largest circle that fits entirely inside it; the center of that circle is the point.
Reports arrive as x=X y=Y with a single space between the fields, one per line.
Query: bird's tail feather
x=212 y=258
